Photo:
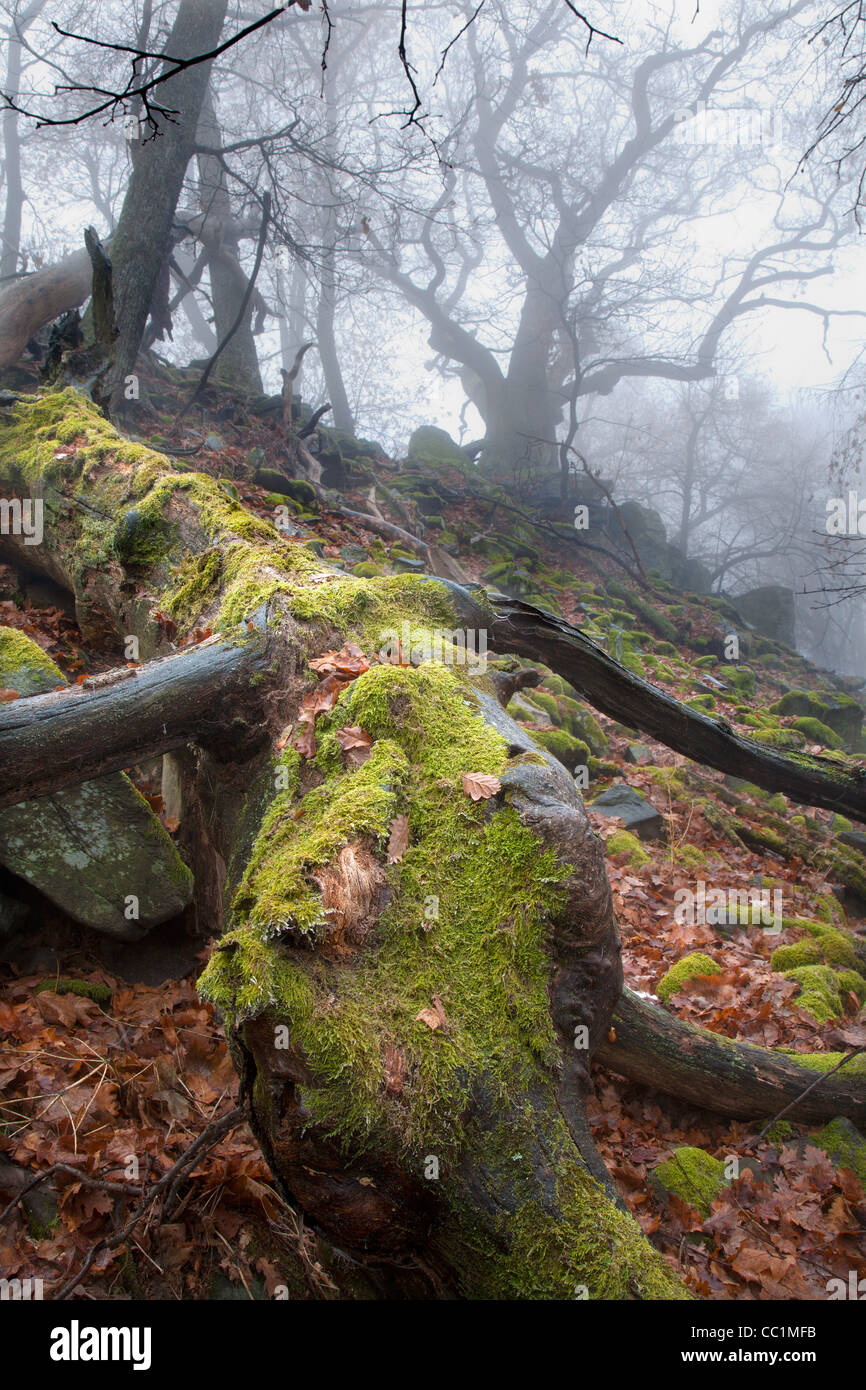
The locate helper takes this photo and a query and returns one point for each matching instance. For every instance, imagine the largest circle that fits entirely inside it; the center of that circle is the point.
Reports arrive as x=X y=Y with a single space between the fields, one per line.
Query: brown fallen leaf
x=399 y=840
x=306 y=742
x=430 y=1017
x=355 y=743
x=353 y=736
x=480 y=785
x=7 y=695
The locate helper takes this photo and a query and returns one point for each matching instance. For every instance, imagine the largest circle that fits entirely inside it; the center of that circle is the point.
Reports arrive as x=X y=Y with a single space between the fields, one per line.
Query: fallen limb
x=30 y=303
x=527 y=631
x=52 y=741
x=715 y=1073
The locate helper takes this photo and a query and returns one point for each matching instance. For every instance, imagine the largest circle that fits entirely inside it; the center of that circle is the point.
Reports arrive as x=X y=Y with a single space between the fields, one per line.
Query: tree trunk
x=413 y=1031
x=238 y=364
x=522 y=418
x=335 y=387
x=414 y=982
x=31 y=302
x=140 y=243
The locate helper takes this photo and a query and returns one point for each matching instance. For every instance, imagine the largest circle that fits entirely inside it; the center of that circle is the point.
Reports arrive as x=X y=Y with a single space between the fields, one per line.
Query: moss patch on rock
x=693 y=1175
x=691 y=966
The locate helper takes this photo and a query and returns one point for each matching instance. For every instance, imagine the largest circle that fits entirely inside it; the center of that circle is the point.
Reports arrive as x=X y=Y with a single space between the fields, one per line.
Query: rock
x=842 y=1142
x=353 y=554
x=693 y=1175
x=296 y=488
x=403 y=565
x=624 y=803
x=97 y=850
x=770 y=609
x=430 y=446
x=213 y=441
x=639 y=754
x=855 y=839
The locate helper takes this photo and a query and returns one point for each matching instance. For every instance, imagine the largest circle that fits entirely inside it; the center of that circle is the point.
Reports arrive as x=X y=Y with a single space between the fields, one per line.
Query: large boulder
x=769 y=609
x=97 y=850
x=432 y=447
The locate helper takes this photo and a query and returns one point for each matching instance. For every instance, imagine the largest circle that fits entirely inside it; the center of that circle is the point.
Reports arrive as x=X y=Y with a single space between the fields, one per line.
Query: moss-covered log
x=730 y=1078
x=413 y=981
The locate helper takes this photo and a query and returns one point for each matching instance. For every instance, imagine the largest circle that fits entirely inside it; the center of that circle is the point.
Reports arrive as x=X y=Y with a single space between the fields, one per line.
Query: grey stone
x=353 y=554
x=90 y=849
x=93 y=848
x=622 y=802
x=639 y=754
x=770 y=609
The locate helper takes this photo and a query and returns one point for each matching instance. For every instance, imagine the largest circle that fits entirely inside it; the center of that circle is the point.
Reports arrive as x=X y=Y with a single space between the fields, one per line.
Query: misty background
x=586 y=251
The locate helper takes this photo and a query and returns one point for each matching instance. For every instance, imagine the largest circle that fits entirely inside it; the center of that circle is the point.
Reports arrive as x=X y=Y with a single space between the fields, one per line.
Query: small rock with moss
x=693 y=1175
x=689 y=968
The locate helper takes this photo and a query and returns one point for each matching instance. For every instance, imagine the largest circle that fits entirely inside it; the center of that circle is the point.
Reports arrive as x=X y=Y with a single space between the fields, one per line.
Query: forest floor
x=116 y=1089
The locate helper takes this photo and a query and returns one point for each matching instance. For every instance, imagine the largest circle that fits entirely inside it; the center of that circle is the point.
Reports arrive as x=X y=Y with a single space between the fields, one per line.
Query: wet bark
x=716 y=1073
x=238 y=365
x=141 y=241
x=529 y=632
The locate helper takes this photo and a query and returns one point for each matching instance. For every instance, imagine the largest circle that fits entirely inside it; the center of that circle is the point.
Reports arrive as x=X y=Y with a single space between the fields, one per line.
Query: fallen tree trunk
x=727 y=1077
x=30 y=303
x=416 y=969
x=418 y=959
x=52 y=741
x=527 y=631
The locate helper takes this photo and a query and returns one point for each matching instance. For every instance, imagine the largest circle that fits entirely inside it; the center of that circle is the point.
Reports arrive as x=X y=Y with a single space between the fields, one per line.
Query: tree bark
x=140 y=243
x=715 y=1073
x=238 y=364
x=529 y=632
x=414 y=982
x=34 y=300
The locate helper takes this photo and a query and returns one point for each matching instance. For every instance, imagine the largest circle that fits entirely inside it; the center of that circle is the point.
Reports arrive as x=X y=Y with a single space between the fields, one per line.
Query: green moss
x=804 y=952
x=483 y=954
x=740 y=677
x=837 y=947
x=827 y=1061
x=688 y=968
x=546 y=702
x=691 y=857
x=702 y=702
x=693 y=1175
x=85 y=989
x=623 y=842
x=24 y=666
x=852 y=980
x=844 y=1145
x=571 y=752
x=781 y=1132
x=777 y=802
x=819 y=991
x=840 y=823
x=817 y=732
x=779 y=738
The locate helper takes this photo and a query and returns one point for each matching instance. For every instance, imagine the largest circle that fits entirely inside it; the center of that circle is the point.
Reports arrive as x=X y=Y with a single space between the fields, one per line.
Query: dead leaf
x=6 y=695
x=399 y=840
x=480 y=785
